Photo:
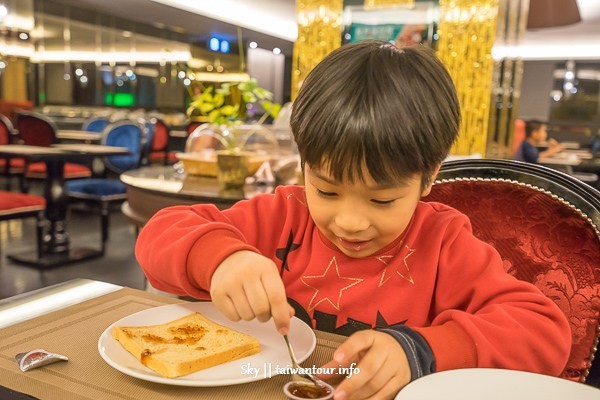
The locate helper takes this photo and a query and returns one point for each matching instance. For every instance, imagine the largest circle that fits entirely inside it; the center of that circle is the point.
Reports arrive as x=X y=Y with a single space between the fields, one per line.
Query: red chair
x=518 y=135
x=38 y=130
x=160 y=144
x=545 y=225
x=9 y=166
x=21 y=205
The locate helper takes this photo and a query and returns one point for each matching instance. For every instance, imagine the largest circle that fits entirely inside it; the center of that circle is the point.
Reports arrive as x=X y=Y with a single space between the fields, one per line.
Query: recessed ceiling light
x=253 y=45
x=276 y=50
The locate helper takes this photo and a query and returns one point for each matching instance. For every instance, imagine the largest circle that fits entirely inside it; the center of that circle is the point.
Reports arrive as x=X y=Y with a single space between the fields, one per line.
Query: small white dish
x=302 y=391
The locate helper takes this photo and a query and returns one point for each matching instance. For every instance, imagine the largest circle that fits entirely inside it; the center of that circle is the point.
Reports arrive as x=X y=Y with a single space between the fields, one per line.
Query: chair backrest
x=518 y=134
x=96 y=124
x=192 y=125
x=124 y=133
x=7 y=131
x=149 y=130
x=35 y=129
x=545 y=225
x=161 y=135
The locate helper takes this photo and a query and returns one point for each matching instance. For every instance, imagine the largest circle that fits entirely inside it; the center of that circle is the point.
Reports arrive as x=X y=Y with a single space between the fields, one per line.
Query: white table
x=495 y=384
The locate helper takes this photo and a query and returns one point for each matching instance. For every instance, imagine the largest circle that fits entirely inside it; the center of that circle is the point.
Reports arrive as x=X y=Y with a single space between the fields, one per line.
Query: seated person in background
x=355 y=251
x=595 y=147
x=535 y=136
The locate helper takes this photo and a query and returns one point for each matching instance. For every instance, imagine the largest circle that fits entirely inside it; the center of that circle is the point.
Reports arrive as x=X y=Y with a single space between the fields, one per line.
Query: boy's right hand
x=247 y=285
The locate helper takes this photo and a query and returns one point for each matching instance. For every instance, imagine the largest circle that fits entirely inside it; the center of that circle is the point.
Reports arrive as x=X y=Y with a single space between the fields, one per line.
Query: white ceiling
x=273 y=17
x=278 y=18
x=272 y=23
x=577 y=41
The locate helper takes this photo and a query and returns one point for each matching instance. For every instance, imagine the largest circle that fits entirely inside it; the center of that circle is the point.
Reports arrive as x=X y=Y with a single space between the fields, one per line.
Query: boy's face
x=360 y=218
x=540 y=135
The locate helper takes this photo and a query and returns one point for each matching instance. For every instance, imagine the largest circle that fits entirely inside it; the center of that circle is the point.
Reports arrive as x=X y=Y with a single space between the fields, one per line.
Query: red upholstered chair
x=160 y=144
x=37 y=130
x=518 y=134
x=21 y=205
x=545 y=225
x=9 y=166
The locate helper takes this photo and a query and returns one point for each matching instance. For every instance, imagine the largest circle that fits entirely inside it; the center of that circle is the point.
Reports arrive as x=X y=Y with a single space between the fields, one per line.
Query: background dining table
x=57 y=245
x=73 y=135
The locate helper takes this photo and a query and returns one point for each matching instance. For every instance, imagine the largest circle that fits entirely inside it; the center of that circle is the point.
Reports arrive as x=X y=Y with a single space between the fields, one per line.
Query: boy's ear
x=427 y=189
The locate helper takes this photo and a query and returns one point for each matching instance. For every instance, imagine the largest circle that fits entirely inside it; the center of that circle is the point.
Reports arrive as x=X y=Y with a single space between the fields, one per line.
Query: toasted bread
x=185 y=345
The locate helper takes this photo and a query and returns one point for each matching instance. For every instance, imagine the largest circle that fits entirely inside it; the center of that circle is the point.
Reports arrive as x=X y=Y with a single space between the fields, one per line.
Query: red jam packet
x=37 y=358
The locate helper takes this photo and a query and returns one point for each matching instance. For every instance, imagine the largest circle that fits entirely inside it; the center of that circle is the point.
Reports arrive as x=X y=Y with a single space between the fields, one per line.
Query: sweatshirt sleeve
x=180 y=247
x=485 y=317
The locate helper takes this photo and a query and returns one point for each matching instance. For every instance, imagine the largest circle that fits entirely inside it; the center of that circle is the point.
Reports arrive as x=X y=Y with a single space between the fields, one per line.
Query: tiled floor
x=118 y=266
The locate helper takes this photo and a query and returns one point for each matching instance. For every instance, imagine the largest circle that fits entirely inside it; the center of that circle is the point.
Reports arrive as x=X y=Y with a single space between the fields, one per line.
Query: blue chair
x=95 y=124
x=150 y=128
x=103 y=192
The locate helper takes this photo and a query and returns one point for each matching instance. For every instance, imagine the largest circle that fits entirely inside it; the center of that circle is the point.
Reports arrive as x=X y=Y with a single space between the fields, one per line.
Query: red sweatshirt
x=436 y=278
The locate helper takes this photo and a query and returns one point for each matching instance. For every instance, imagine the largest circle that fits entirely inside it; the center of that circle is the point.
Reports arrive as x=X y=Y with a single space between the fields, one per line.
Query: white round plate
x=495 y=384
x=273 y=353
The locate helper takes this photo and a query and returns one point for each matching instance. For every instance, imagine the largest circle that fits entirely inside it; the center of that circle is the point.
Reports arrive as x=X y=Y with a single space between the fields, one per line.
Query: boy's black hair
x=393 y=109
x=533 y=125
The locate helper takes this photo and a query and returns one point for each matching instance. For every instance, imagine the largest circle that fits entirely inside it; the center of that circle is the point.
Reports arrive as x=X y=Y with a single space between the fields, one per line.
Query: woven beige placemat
x=74 y=332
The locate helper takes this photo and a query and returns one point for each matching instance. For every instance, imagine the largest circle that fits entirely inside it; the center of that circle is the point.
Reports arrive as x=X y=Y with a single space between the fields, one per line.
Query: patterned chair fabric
x=545 y=225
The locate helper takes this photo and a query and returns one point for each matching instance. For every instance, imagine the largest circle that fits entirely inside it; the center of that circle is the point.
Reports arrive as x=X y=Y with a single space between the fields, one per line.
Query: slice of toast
x=185 y=345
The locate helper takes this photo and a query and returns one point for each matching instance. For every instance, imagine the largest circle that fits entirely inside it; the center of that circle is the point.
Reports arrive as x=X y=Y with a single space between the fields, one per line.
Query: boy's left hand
x=382 y=364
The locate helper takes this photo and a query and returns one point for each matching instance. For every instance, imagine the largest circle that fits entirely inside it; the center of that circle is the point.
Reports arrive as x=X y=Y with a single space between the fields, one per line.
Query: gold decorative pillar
x=379 y=3
x=14 y=79
x=467 y=31
x=507 y=77
x=319 y=33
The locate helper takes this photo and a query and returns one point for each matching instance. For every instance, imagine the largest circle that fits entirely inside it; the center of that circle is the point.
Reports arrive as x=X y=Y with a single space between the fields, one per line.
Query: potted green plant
x=223 y=109
x=227 y=103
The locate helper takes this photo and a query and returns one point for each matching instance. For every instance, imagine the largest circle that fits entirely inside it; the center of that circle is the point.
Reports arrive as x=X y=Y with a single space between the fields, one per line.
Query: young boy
x=354 y=251
x=535 y=136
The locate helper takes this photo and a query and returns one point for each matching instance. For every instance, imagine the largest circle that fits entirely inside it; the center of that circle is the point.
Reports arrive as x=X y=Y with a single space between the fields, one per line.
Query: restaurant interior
x=111 y=110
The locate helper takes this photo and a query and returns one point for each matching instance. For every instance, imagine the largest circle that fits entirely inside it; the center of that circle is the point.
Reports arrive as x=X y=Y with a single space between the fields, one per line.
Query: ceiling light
x=276 y=50
x=253 y=45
